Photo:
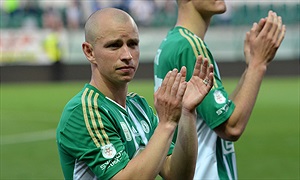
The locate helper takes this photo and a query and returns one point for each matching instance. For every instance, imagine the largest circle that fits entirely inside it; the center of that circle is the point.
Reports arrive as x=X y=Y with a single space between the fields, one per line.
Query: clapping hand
x=199 y=85
x=175 y=94
x=168 y=97
x=264 y=39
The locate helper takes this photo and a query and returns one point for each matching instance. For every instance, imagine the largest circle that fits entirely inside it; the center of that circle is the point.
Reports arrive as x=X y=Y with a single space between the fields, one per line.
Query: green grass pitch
x=268 y=149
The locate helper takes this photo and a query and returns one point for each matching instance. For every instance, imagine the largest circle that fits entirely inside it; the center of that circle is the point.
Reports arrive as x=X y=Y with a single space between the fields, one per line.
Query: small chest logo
x=108 y=151
x=145 y=126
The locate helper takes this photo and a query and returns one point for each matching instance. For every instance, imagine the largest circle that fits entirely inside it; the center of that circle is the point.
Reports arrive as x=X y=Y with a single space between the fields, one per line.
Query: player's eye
x=132 y=43
x=114 y=44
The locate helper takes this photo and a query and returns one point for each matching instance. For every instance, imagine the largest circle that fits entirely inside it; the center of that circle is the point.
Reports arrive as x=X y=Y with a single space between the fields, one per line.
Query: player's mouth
x=126 y=69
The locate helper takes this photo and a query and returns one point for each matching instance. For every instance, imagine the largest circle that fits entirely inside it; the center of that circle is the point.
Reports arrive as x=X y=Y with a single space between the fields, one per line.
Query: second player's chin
x=220 y=11
x=128 y=78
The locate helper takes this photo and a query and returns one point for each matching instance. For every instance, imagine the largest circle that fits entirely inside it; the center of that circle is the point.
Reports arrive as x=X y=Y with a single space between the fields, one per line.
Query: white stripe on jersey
x=132 y=133
x=142 y=111
x=139 y=127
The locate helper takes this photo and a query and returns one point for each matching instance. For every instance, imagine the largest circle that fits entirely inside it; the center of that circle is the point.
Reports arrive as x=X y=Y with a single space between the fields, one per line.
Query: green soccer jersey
x=216 y=157
x=96 y=137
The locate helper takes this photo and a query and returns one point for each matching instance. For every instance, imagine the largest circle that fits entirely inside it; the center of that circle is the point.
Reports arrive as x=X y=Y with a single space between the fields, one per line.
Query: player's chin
x=221 y=7
x=221 y=11
x=127 y=78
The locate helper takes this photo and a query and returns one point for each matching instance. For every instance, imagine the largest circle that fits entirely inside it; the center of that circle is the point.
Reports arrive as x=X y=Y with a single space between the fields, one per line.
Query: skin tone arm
x=172 y=105
x=148 y=163
x=186 y=147
x=247 y=57
x=261 y=45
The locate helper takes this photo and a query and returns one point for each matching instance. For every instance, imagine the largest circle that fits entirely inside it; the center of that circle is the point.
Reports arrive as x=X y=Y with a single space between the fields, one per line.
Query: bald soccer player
x=107 y=133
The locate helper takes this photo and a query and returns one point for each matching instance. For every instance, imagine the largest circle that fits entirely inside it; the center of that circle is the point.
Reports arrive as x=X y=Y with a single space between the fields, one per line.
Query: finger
x=211 y=79
x=183 y=73
x=253 y=32
x=171 y=80
x=198 y=64
x=279 y=27
x=247 y=39
x=181 y=90
x=204 y=69
x=281 y=37
x=247 y=48
x=261 y=24
x=210 y=69
x=176 y=85
x=274 y=24
x=183 y=83
x=206 y=79
x=210 y=76
x=247 y=43
x=268 y=25
x=163 y=86
x=281 y=32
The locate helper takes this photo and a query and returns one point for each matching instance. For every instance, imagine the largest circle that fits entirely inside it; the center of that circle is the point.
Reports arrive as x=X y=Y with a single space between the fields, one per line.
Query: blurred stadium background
x=37 y=33
x=42 y=67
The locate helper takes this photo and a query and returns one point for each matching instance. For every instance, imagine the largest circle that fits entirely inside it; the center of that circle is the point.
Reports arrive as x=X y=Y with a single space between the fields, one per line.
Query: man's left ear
x=88 y=51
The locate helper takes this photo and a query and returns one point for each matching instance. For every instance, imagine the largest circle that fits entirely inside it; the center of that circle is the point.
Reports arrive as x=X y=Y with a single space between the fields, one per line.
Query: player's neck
x=195 y=23
x=116 y=93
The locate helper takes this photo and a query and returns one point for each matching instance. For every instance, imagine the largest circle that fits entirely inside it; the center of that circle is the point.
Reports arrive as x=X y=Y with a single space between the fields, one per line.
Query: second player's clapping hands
x=176 y=94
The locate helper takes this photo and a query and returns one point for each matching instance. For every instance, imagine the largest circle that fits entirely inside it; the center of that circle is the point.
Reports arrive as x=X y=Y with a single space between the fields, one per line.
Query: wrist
x=261 y=68
x=256 y=73
x=188 y=112
x=167 y=126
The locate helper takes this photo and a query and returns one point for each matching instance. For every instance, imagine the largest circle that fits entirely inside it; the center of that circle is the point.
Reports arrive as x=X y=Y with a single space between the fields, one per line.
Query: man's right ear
x=88 y=51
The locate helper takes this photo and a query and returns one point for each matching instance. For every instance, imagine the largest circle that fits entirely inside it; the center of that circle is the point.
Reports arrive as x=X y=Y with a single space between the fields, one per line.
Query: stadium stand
x=14 y=13
x=24 y=24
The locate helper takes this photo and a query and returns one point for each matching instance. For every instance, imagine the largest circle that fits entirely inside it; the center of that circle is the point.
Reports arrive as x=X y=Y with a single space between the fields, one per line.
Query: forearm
x=261 y=45
x=239 y=85
x=149 y=162
x=244 y=100
x=184 y=156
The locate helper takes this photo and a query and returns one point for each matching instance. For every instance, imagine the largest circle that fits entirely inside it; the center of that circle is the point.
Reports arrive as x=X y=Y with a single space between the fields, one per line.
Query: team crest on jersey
x=219 y=97
x=145 y=126
x=108 y=151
